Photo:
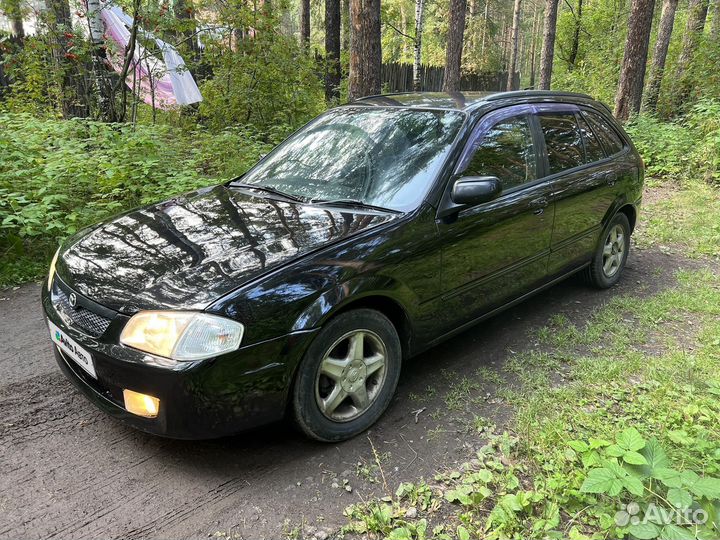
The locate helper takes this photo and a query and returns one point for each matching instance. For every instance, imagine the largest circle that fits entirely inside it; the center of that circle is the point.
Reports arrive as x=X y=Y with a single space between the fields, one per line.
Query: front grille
x=94 y=324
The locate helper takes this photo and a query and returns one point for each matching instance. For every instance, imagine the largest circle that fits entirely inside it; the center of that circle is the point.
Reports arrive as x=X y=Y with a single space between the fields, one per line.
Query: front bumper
x=198 y=400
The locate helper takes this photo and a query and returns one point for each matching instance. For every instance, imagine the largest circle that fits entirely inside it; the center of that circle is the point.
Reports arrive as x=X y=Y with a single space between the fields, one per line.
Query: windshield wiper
x=352 y=203
x=268 y=189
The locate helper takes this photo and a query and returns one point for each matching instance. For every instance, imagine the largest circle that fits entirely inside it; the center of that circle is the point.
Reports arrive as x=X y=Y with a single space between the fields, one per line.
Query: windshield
x=381 y=157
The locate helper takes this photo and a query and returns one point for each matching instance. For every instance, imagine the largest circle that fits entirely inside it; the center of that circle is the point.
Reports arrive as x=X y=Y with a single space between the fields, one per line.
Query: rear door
x=582 y=181
x=495 y=251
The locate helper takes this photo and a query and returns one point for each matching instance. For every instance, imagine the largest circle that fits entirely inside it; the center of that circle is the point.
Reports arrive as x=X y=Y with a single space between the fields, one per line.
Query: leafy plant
x=668 y=503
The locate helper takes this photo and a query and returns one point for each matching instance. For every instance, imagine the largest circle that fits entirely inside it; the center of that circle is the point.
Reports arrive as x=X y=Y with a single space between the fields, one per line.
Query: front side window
x=607 y=135
x=385 y=157
x=507 y=152
x=562 y=140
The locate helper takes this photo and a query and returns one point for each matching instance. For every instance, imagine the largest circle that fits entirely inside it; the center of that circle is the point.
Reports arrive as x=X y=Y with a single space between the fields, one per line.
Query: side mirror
x=475 y=189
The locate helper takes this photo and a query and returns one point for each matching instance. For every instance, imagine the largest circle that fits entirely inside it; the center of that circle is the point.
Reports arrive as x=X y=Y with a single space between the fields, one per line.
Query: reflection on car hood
x=189 y=251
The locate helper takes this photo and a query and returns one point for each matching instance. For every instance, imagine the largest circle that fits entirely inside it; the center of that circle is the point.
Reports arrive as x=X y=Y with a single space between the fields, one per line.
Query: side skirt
x=502 y=308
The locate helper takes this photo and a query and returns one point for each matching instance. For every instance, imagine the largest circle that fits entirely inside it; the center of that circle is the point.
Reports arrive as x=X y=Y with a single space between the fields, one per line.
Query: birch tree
x=417 y=52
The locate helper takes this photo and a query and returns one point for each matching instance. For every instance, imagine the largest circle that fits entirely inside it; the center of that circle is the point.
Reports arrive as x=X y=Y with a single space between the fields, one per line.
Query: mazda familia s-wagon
x=303 y=287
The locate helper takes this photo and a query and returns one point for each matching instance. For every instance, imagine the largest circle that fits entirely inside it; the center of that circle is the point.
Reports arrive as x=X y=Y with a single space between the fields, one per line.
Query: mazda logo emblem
x=73 y=300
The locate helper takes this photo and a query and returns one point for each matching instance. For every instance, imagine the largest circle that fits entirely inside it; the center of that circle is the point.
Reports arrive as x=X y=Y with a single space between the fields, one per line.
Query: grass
x=686 y=217
x=638 y=383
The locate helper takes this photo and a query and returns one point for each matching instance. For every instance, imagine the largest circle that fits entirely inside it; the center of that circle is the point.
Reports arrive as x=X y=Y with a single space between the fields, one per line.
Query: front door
x=496 y=251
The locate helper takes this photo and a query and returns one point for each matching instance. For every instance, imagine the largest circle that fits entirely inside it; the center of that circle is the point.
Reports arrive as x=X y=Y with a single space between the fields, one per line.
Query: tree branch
x=411 y=38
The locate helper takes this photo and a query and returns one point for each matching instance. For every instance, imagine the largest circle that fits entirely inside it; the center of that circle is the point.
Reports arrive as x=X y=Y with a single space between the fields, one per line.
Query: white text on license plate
x=74 y=351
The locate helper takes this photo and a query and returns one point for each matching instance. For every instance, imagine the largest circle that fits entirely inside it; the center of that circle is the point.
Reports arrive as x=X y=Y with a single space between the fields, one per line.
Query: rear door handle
x=611 y=179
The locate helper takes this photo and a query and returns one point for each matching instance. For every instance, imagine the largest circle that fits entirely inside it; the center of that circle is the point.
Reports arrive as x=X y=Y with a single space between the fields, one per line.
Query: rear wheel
x=610 y=257
x=348 y=376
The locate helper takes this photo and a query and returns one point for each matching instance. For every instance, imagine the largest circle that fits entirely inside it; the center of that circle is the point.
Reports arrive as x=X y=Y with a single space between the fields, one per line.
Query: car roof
x=463 y=101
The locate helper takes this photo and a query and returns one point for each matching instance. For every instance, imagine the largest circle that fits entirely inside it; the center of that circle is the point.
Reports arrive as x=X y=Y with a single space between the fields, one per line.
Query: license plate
x=74 y=351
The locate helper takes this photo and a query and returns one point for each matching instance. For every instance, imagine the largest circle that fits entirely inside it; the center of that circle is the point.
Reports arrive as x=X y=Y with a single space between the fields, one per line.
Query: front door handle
x=539 y=205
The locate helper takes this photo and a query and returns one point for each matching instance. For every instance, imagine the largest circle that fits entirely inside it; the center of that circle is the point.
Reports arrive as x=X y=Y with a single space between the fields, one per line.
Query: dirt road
x=68 y=471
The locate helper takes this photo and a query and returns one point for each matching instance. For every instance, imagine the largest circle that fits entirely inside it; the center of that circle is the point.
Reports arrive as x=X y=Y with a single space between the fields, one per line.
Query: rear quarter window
x=607 y=135
x=563 y=141
x=593 y=149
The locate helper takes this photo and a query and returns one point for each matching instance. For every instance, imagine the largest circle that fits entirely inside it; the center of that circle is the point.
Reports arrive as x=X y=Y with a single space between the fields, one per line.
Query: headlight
x=51 y=273
x=182 y=335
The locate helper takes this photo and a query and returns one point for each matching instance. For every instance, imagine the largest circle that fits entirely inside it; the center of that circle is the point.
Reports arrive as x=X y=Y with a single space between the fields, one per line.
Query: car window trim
x=610 y=125
x=607 y=159
x=485 y=124
x=477 y=133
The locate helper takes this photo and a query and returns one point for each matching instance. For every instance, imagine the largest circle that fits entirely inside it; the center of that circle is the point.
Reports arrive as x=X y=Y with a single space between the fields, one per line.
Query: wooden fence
x=398 y=77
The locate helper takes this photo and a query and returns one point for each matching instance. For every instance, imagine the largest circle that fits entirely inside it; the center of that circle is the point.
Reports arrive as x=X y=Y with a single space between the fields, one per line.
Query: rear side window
x=593 y=150
x=607 y=135
x=506 y=152
x=562 y=140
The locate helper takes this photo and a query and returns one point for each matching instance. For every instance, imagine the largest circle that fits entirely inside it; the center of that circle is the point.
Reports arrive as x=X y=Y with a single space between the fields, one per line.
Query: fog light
x=141 y=404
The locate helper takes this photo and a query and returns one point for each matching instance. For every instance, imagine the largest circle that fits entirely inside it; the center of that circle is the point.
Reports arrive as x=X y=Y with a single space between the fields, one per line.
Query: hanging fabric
x=160 y=83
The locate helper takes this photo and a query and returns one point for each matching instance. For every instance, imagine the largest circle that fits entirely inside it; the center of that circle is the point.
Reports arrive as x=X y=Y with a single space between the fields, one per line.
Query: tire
x=327 y=397
x=610 y=256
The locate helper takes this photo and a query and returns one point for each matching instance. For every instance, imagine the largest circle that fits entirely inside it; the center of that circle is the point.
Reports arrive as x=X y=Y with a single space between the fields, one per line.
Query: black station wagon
x=376 y=231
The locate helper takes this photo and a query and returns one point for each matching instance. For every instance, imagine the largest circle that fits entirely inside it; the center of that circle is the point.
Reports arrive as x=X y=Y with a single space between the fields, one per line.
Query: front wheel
x=348 y=376
x=610 y=257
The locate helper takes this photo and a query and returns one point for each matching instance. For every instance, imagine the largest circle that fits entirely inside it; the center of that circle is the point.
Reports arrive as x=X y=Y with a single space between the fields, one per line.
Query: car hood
x=189 y=251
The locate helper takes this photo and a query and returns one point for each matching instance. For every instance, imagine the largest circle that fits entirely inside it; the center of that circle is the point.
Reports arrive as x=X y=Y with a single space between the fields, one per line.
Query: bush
x=58 y=176
x=689 y=148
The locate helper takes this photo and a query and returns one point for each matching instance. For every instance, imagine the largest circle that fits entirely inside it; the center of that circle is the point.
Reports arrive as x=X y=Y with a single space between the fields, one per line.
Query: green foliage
x=660 y=491
x=59 y=176
x=265 y=81
x=687 y=148
x=581 y=463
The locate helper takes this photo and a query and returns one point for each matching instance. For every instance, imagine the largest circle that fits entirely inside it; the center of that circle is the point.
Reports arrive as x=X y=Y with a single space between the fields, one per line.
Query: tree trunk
x=305 y=22
x=533 y=46
x=345 y=15
x=332 y=50
x=365 y=48
x=404 y=30
x=667 y=20
x=697 y=14
x=486 y=16
x=97 y=31
x=453 y=56
x=417 y=56
x=18 y=29
x=715 y=21
x=185 y=15
x=575 y=48
x=548 y=47
x=73 y=99
x=503 y=44
x=632 y=72
x=514 y=45
x=13 y=11
x=4 y=82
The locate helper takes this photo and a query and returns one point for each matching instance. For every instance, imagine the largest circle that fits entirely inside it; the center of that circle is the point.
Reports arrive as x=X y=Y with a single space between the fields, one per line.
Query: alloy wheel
x=351 y=375
x=613 y=251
